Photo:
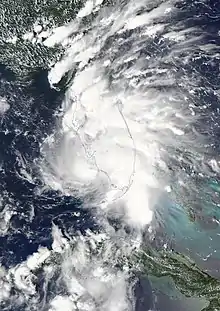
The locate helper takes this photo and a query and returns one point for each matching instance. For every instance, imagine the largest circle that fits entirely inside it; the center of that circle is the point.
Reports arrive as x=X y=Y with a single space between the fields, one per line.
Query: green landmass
x=17 y=18
x=189 y=280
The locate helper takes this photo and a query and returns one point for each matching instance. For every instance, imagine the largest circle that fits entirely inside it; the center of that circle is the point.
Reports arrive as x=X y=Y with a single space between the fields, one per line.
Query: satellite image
x=109 y=155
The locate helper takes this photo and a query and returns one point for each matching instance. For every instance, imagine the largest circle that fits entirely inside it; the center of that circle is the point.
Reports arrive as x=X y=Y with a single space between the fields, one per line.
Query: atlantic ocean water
x=61 y=248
